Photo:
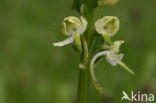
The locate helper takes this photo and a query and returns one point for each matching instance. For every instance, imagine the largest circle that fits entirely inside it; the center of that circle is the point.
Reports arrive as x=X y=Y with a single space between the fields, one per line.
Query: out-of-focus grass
x=33 y=71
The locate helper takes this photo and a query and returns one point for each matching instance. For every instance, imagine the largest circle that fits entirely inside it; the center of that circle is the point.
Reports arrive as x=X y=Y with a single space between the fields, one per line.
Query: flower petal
x=114 y=58
x=84 y=25
x=107 y=25
x=64 y=42
x=116 y=46
x=72 y=25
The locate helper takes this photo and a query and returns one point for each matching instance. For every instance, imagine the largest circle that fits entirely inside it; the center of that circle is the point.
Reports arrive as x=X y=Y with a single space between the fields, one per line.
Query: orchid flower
x=73 y=27
x=112 y=57
x=107 y=27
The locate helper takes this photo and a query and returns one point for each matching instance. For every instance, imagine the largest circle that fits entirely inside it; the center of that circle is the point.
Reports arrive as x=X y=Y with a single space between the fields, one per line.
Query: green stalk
x=84 y=73
x=83 y=89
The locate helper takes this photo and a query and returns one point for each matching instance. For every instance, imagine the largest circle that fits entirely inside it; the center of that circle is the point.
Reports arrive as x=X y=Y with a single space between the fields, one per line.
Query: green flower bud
x=107 y=2
x=111 y=2
x=107 y=25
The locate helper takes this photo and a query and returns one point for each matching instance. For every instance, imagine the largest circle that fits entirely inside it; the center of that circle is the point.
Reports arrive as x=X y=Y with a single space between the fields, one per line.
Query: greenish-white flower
x=108 y=25
x=73 y=27
x=113 y=57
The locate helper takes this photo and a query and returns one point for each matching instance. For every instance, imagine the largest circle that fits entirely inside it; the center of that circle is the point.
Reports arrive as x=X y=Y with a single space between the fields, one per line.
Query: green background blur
x=33 y=71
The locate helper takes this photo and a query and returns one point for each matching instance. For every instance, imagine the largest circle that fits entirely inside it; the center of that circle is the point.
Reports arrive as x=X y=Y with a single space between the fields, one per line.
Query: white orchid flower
x=107 y=27
x=73 y=27
x=112 y=57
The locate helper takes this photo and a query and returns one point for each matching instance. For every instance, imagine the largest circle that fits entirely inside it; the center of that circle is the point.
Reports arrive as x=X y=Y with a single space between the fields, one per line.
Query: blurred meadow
x=32 y=70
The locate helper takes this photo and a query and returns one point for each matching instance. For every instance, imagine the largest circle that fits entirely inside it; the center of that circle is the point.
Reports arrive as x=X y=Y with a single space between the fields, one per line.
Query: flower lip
x=73 y=25
x=107 y=25
x=112 y=56
x=114 y=59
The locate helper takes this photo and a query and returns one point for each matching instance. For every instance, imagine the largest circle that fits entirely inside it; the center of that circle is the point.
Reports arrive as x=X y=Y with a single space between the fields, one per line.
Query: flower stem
x=84 y=74
x=83 y=88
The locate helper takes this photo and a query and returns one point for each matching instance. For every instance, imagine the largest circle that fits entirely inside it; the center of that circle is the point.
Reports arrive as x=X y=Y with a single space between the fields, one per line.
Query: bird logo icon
x=125 y=96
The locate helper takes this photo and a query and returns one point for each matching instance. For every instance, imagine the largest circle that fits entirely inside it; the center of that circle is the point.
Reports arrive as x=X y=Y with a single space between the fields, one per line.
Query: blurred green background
x=33 y=71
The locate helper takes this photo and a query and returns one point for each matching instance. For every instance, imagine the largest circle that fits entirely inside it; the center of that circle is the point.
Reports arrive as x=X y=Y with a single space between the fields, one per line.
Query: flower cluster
x=107 y=26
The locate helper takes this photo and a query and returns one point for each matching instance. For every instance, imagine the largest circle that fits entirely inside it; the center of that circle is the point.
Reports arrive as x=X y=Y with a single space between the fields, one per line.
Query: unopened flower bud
x=107 y=2
x=111 y=2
